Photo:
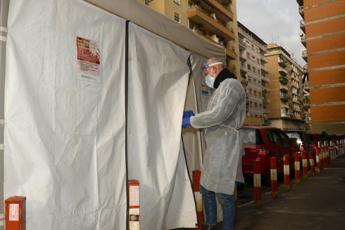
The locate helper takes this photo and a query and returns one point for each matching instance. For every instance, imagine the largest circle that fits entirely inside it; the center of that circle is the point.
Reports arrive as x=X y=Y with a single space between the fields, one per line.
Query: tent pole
x=3 y=36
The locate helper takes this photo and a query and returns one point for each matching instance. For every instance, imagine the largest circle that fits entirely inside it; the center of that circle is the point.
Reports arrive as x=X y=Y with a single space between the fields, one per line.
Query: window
x=177 y=17
x=274 y=137
x=250 y=136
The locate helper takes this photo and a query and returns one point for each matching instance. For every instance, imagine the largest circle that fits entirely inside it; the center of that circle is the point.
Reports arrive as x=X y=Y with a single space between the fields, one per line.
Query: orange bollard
x=297 y=168
x=257 y=182
x=312 y=164
x=15 y=213
x=198 y=197
x=274 y=177
x=134 y=205
x=304 y=164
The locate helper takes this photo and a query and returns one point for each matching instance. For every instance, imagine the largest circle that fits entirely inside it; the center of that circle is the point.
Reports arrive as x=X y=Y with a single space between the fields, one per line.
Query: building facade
x=254 y=75
x=285 y=90
x=323 y=35
x=216 y=20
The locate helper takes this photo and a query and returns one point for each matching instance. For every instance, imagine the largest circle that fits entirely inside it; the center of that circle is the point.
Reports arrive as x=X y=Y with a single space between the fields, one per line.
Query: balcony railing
x=283 y=80
x=284 y=97
x=231 y=54
x=198 y=16
x=305 y=55
x=221 y=13
x=284 y=89
x=303 y=39
x=302 y=25
x=301 y=11
x=281 y=62
x=283 y=71
x=305 y=69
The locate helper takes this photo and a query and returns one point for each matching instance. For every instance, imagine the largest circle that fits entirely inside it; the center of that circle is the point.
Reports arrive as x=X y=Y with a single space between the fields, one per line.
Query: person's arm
x=230 y=97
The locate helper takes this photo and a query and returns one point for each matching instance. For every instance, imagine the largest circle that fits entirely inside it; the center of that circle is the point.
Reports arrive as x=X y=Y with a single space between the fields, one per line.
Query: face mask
x=209 y=80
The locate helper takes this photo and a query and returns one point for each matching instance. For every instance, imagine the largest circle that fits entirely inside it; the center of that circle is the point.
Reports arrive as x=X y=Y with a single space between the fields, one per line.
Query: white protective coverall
x=225 y=114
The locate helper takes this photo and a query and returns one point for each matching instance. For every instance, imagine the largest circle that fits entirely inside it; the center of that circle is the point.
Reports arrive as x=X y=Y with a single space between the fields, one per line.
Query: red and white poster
x=88 y=57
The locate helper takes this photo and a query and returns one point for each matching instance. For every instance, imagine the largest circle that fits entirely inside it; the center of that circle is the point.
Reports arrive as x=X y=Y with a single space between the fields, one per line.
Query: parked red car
x=264 y=143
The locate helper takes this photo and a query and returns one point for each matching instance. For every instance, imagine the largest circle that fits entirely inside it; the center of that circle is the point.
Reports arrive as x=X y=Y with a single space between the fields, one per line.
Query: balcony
x=244 y=68
x=281 y=62
x=302 y=25
x=283 y=80
x=244 y=82
x=303 y=39
x=301 y=11
x=242 y=46
x=264 y=80
x=230 y=54
x=264 y=69
x=220 y=11
x=199 y=17
x=284 y=89
x=283 y=72
x=305 y=55
x=263 y=59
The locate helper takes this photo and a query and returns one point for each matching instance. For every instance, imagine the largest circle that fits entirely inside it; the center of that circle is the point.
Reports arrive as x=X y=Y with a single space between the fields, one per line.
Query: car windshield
x=250 y=136
x=293 y=135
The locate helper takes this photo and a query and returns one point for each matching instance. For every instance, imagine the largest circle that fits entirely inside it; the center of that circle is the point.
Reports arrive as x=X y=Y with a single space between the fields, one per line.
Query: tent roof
x=147 y=18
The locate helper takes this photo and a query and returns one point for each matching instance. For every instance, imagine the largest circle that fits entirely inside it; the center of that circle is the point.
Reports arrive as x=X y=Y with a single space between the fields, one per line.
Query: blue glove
x=185 y=122
x=188 y=113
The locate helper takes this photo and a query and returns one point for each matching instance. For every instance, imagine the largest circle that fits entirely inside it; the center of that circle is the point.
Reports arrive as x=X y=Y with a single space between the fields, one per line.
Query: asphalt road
x=316 y=203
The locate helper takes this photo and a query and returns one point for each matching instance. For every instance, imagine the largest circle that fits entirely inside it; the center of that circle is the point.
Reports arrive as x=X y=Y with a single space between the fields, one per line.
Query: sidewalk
x=316 y=203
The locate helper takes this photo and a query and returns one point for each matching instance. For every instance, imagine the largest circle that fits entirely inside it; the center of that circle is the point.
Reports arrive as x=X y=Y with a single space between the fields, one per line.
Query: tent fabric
x=158 y=78
x=193 y=138
x=145 y=17
x=64 y=115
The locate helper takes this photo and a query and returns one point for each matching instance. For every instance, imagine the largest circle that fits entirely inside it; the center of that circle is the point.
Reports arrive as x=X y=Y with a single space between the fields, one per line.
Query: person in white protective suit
x=222 y=120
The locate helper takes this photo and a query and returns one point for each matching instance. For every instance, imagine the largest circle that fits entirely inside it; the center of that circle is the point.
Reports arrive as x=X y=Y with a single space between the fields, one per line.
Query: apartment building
x=254 y=75
x=285 y=90
x=323 y=35
x=216 y=20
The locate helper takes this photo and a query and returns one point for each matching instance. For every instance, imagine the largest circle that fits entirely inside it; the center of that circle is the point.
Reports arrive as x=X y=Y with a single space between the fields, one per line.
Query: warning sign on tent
x=88 y=58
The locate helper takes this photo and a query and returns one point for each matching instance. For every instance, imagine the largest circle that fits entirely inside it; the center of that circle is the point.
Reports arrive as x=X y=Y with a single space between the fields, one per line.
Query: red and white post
x=134 y=205
x=286 y=160
x=257 y=182
x=312 y=164
x=305 y=164
x=198 y=197
x=297 y=168
x=274 y=177
x=317 y=158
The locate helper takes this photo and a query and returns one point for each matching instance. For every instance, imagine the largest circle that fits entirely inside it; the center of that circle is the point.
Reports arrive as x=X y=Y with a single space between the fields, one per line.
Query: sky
x=274 y=21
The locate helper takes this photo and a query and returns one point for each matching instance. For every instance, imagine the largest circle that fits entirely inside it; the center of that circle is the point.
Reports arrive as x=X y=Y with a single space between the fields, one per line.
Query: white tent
x=92 y=100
